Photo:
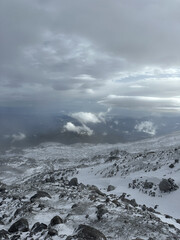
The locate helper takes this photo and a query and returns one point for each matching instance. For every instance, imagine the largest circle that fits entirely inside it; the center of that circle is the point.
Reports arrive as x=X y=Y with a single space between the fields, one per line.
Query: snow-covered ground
x=127 y=167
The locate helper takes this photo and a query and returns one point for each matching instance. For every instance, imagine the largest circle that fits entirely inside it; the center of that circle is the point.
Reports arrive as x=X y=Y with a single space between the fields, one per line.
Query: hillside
x=113 y=188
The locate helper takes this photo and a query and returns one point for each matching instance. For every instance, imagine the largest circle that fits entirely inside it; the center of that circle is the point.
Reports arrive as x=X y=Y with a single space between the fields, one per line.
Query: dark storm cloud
x=66 y=52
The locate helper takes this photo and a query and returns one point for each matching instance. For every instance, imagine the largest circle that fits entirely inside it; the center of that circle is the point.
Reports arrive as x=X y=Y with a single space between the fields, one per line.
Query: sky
x=90 y=56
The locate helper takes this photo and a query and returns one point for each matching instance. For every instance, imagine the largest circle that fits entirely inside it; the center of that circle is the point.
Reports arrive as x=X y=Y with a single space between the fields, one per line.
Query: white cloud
x=18 y=137
x=160 y=104
x=85 y=77
x=82 y=130
x=86 y=117
x=146 y=127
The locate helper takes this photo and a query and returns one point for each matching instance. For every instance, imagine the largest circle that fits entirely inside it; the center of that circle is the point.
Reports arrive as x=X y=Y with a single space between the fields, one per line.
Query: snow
x=91 y=164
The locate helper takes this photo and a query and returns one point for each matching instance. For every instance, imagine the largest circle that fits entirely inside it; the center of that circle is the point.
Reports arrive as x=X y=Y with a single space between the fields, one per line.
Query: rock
x=178 y=221
x=38 y=195
x=38 y=227
x=133 y=203
x=50 y=179
x=144 y=208
x=86 y=232
x=3 y=234
x=21 y=225
x=52 y=232
x=56 y=220
x=171 y=165
x=167 y=185
x=148 y=185
x=2 y=189
x=137 y=238
x=73 y=182
x=95 y=189
x=16 y=237
x=101 y=210
x=116 y=202
x=150 y=209
x=110 y=188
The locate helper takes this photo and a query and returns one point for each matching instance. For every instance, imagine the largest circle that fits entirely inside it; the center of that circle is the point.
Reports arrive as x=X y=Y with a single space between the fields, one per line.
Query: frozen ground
x=127 y=167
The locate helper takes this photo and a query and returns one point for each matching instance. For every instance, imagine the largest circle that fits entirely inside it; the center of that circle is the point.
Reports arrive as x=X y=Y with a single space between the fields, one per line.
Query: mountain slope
x=113 y=188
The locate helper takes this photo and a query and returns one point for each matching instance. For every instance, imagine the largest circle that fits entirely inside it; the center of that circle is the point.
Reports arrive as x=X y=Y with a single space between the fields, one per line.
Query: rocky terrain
x=128 y=192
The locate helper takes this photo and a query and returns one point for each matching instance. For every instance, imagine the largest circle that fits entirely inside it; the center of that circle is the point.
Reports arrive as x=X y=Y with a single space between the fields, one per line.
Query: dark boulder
x=38 y=195
x=73 y=182
x=52 y=232
x=148 y=185
x=171 y=165
x=38 y=227
x=16 y=237
x=56 y=220
x=85 y=232
x=167 y=185
x=21 y=225
x=95 y=189
x=3 y=234
x=89 y=233
x=101 y=210
x=110 y=188
x=178 y=221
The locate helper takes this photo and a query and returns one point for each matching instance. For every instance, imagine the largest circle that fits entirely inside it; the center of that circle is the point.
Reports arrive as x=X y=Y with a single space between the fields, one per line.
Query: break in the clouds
x=75 y=55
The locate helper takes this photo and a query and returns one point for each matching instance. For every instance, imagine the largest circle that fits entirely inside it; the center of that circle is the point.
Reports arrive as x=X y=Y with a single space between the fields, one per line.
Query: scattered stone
x=148 y=185
x=128 y=201
x=88 y=233
x=171 y=165
x=95 y=189
x=133 y=203
x=178 y=221
x=144 y=208
x=52 y=232
x=21 y=225
x=137 y=238
x=2 y=189
x=73 y=182
x=16 y=237
x=38 y=227
x=110 y=188
x=167 y=185
x=74 y=205
x=38 y=195
x=56 y=220
x=116 y=202
x=4 y=234
x=50 y=180
x=101 y=210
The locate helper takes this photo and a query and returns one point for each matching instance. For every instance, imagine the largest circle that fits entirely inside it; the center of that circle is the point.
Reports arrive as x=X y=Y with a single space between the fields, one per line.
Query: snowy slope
x=127 y=167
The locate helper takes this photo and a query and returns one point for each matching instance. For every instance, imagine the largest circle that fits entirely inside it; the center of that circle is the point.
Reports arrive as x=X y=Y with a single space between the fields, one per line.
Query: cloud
x=143 y=103
x=146 y=127
x=82 y=130
x=55 y=52
x=86 y=117
x=16 y=137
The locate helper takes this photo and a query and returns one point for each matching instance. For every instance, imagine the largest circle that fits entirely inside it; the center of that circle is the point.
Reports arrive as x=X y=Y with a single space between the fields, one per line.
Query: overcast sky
x=90 y=55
